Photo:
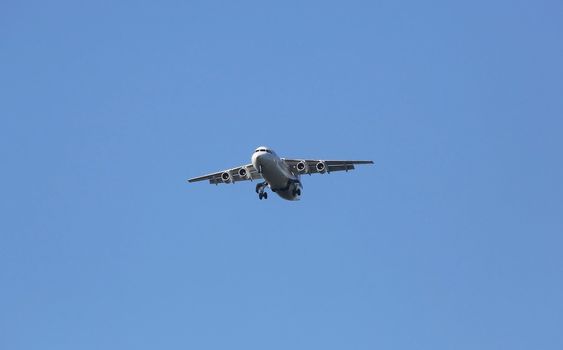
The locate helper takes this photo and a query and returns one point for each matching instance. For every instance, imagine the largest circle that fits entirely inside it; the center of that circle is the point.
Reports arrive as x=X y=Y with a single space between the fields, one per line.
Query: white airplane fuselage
x=277 y=174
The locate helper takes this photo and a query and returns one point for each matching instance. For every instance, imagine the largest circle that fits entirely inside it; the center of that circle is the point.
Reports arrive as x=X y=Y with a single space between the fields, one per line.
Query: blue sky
x=452 y=241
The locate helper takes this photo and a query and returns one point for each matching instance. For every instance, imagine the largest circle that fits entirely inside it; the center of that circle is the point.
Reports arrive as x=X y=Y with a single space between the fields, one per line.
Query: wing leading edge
x=310 y=165
x=240 y=173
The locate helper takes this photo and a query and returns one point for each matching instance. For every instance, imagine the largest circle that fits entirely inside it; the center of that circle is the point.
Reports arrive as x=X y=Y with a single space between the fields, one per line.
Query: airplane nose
x=256 y=161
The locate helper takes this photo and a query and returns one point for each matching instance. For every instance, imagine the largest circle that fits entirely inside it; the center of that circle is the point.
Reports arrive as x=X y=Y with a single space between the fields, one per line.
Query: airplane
x=281 y=175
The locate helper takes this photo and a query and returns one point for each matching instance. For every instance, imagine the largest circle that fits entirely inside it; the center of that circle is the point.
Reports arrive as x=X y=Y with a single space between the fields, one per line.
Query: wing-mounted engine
x=226 y=177
x=243 y=173
x=302 y=167
x=321 y=167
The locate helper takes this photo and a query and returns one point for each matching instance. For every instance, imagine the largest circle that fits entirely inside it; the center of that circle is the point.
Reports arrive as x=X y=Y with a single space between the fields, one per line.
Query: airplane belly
x=279 y=178
x=274 y=175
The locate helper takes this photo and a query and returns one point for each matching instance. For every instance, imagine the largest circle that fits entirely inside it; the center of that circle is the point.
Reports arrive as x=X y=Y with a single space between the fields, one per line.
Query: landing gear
x=297 y=192
x=261 y=190
x=261 y=186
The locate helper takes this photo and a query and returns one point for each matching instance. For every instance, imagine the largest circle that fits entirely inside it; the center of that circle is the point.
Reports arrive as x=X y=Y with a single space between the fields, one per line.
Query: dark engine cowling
x=226 y=177
x=302 y=167
x=321 y=167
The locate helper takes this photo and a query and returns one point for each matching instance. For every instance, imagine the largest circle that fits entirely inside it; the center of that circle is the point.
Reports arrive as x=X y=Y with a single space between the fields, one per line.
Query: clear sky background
x=453 y=240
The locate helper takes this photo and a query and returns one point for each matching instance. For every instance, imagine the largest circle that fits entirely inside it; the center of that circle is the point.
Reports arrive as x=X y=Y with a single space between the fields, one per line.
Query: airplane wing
x=312 y=166
x=241 y=173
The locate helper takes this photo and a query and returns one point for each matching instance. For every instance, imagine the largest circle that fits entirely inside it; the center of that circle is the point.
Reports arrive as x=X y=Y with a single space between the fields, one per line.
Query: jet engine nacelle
x=321 y=167
x=226 y=177
x=243 y=173
x=302 y=167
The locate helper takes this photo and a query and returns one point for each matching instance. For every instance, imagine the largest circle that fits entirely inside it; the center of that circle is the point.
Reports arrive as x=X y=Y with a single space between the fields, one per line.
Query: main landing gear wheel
x=297 y=192
x=261 y=190
x=261 y=186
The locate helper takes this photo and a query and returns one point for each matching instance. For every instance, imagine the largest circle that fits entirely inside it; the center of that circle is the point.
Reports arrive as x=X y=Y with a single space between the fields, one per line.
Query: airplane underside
x=291 y=192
